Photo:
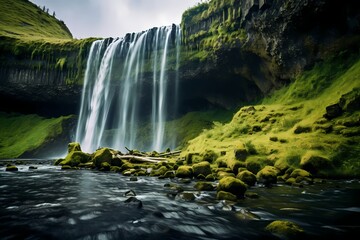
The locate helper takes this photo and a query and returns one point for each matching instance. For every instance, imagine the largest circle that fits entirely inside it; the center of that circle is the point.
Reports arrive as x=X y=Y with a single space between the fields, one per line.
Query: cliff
x=266 y=43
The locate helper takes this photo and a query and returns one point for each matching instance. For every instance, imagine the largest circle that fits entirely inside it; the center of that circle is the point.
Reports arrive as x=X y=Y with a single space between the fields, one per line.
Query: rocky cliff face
x=41 y=77
x=265 y=43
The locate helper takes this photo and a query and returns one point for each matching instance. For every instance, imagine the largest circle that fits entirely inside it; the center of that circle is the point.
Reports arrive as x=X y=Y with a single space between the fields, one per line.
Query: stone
x=102 y=155
x=232 y=185
x=186 y=196
x=184 y=172
x=201 y=168
x=133 y=202
x=222 y=195
x=241 y=153
x=285 y=229
x=333 y=111
x=74 y=158
x=74 y=146
x=204 y=186
x=12 y=168
x=268 y=175
x=247 y=177
x=313 y=163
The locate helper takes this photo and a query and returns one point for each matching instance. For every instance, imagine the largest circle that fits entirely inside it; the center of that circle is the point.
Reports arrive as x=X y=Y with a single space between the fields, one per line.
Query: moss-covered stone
x=222 y=174
x=159 y=172
x=102 y=155
x=234 y=165
x=74 y=146
x=268 y=175
x=210 y=177
x=232 y=185
x=247 y=177
x=11 y=168
x=115 y=169
x=210 y=156
x=105 y=166
x=184 y=172
x=204 y=186
x=300 y=173
x=222 y=195
x=285 y=229
x=241 y=153
x=58 y=161
x=66 y=167
x=201 y=168
x=74 y=158
x=313 y=163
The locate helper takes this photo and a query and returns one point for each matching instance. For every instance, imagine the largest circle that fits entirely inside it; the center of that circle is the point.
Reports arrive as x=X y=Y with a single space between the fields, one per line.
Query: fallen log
x=141 y=159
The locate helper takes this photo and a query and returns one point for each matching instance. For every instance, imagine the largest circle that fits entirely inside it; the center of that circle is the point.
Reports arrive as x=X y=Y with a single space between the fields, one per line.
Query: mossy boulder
x=268 y=175
x=300 y=173
x=285 y=230
x=116 y=162
x=210 y=156
x=247 y=177
x=241 y=153
x=74 y=158
x=313 y=163
x=184 y=172
x=351 y=101
x=222 y=174
x=159 y=172
x=232 y=185
x=105 y=166
x=204 y=186
x=201 y=168
x=74 y=146
x=234 y=165
x=11 y=168
x=66 y=167
x=222 y=195
x=253 y=166
x=102 y=155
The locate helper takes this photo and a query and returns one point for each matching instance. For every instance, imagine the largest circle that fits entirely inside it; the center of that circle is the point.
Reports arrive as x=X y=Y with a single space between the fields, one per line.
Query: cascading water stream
x=128 y=91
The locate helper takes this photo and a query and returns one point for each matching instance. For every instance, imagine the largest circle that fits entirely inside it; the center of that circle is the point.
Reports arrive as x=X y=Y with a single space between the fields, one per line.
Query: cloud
x=115 y=18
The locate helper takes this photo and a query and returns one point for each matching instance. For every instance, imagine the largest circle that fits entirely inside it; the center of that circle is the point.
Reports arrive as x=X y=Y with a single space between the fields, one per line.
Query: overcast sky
x=115 y=18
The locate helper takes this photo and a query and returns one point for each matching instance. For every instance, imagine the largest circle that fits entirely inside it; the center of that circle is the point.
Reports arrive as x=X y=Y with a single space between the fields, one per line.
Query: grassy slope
x=302 y=104
x=22 y=19
x=23 y=23
x=21 y=133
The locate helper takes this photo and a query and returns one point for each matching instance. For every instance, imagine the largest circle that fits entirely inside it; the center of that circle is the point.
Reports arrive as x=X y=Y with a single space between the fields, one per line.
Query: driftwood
x=174 y=153
x=141 y=159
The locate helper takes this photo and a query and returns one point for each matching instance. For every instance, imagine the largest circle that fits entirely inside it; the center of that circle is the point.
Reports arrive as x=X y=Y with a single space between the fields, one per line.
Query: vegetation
x=212 y=26
x=21 y=133
x=288 y=128
x=22 y=19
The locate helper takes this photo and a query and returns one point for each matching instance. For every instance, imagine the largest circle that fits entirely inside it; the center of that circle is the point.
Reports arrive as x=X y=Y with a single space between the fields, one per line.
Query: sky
x=115 y=18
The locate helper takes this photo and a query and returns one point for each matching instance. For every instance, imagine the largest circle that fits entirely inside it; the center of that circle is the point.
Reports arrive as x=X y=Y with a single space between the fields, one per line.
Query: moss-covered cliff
x=41 y=66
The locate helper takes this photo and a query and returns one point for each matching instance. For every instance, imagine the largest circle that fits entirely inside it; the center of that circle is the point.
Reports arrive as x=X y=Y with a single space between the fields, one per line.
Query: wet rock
x=133 y=202
x=159 y=172
x=74 y=158
x=244 y=214
x=232 y=185
x=186 y=196
x=130 y=193
x=285 y=230
x=223 y=195
x=133 y=179
x=102 y=155
x=32 y=167
x=204 y=186
x=66 y=167
x=210 y=177
x=12 y=168
x=169 y=174
x=268 y=175
x=252 y=195
x=247 y=177
x=105 y=166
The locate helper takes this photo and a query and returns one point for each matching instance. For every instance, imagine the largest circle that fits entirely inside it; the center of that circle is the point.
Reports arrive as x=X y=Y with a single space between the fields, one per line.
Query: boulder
x=232 y=185
x=184 y=172
x=267 y=175
x=285 y=229
x=222 y=195
x=102 y=155
x=247 y=177
x=74 y=158
x=241 y=153
x=12 y=168
x=201 y=168
x=204 y=186
x=333 y=111
x=74 y=146
x=313 y=163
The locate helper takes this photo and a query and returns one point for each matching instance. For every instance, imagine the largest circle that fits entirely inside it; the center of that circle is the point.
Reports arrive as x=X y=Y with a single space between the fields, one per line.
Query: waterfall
x=130 y=90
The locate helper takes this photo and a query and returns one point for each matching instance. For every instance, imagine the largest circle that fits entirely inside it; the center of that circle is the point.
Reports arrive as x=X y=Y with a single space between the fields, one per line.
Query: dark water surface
x=48 y=203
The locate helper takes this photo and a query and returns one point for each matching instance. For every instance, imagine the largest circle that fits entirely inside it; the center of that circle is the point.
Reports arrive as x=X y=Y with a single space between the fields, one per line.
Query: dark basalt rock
x=133 y=202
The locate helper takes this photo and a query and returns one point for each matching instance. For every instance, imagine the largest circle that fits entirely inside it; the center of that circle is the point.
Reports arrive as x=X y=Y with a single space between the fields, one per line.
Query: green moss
x=74 y=158
x=201 y=168
x=204 y=186
x=74 y=146
x=184 y=172
x=232 y=185
x=285 y=229
x=22 y=133
x=11 y=168
x=102 y=155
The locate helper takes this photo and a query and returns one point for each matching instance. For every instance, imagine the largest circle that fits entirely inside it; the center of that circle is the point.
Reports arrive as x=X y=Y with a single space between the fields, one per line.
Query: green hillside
x=289 y=128
x=23 y=19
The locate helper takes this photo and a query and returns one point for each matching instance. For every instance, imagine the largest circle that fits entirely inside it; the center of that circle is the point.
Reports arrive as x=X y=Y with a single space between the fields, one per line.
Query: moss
x=247 y=177
x=285 y=229
x=22 y=133
x=66 y=167
x=314 y=163
x=105 y=166
x=223 y=195
x=268 y=175
x=184 y=172
x=74 y=158
x=102 y=155
x=201 y=168
x=232 y=185
x=204 y=186
x=74 y=146
x=159 y=172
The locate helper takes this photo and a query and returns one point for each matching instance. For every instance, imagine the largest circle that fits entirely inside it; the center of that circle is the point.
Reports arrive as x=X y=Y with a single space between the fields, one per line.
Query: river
x=48 y=203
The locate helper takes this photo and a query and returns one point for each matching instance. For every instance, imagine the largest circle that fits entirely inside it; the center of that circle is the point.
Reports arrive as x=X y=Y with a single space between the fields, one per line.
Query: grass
x=21 y=133
x=301 y=105
x=22 y=19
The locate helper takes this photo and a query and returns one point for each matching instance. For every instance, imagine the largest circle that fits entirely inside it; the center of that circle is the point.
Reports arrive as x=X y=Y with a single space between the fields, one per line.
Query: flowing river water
x=49 y=203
